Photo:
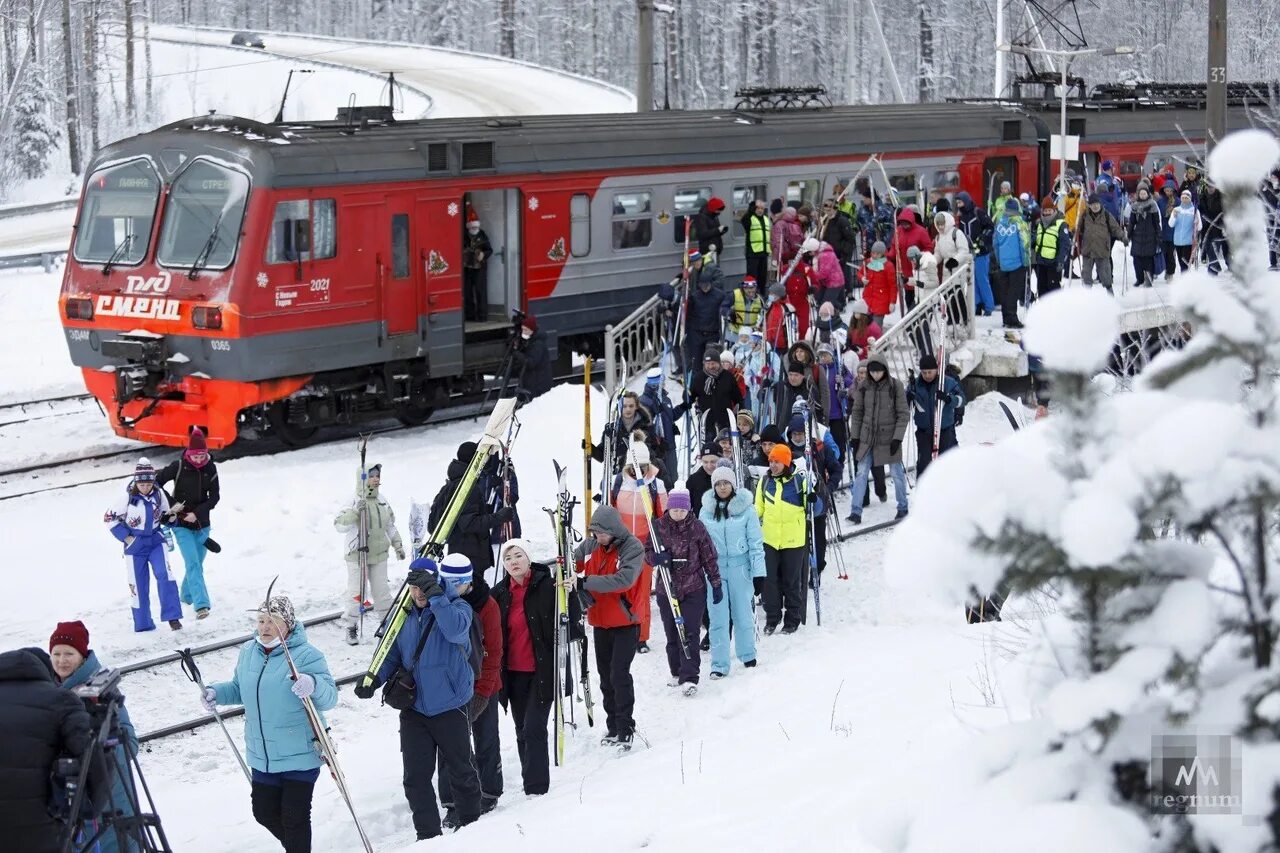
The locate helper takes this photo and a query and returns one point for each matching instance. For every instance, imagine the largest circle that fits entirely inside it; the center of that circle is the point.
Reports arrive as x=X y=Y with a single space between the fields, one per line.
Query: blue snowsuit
x=120 y=799
x=739 y=546
x=277 y=733
x=139 y=516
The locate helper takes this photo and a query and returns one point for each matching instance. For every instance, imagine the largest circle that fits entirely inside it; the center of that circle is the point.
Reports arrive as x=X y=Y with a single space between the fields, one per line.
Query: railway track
x=46 y=407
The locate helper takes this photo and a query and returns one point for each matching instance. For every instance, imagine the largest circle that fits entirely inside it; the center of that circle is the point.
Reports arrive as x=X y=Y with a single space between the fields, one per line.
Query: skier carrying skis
x=781 y=500
x=135 y=521
x=483 y=707
x=715 y=392
x=924 y=395
x=627 y=500
x=821 y=481
x=618 y=431
x=609 y=562
x=690 y=559
x=877 y=424
x=656 y=405
x=431 y=653
x=277 y=734
x=472 y=533
x=527 y=601
x=195 y=493
x=734 y=528
x=383 y=538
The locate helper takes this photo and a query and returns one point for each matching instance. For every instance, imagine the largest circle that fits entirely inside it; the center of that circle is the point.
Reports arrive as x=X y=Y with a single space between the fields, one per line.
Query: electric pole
x=1216 y=88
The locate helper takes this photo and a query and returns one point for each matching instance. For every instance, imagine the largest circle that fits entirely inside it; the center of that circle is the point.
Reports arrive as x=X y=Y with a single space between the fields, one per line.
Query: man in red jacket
x=483 y=708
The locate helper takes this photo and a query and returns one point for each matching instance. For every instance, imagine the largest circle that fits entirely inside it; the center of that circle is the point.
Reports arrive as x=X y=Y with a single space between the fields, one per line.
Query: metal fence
x=45 y=260
x=635 y=344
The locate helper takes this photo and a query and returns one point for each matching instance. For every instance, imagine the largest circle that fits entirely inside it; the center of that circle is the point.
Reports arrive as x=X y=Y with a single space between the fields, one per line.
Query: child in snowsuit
x=383 y=537
x=136 y=521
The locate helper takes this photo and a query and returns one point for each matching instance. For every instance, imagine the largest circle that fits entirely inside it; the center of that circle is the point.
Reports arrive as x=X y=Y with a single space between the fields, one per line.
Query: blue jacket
x=1111 y=193
x=277 y=733
x=738 y=539
x=922 y=398
x=1011 y=239
x=840 y=382
x=138 y=516
x=655 y=401
x=443 y=672
x=1166 y=230
x=119 y=796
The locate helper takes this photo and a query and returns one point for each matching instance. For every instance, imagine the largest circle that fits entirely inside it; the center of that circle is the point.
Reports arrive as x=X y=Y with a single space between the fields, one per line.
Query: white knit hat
x=723 y=475
x=515 y=542
x=455 y=567
x=640 y=452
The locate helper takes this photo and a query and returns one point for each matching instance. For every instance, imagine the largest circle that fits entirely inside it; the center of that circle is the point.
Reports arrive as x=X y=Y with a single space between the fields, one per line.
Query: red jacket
x=914 y=234
x=880 y=288
x=798 y=286
x=490 y=680
x=775 y=327
x=861 y=341
x=612 y=576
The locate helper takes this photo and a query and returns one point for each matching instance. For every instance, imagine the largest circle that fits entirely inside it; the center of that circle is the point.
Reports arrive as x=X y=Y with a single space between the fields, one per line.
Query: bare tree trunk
x=9 y=46
x=146 y=50
x=89 y=80
x=924 y=83
x=130 y=102
x=69 y=74
x=508 y=23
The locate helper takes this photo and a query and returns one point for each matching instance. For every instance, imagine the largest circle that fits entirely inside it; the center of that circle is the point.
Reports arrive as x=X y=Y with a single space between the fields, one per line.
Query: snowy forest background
x=77 y=73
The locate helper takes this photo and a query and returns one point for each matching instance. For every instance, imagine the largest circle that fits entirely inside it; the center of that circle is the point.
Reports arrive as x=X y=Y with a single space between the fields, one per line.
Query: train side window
x=904 y=187
x=303 y=231
x=399 y=245
x=632 y=220
x=744 y=196
x=688 y=201
x=804 y=192
x=580 y=225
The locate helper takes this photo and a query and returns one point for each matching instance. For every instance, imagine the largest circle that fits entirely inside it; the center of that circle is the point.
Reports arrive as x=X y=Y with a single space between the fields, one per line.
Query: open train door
x=994 y=171
x=499 y=214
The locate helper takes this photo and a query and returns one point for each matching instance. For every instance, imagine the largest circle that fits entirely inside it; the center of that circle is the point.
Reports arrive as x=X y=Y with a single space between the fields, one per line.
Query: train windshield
x=118 y=211
x=202 y=218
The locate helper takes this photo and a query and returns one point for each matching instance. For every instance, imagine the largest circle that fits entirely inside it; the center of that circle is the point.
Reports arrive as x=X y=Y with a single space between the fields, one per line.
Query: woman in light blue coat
x=730 y=518
x=277 y=733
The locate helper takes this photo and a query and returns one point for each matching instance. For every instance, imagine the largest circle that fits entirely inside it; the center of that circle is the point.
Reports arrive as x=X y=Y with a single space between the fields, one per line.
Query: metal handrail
x=636 y=342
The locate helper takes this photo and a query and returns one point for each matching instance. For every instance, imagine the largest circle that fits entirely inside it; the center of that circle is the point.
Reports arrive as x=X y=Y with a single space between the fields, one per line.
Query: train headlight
x=206 y=317
x=79 y=309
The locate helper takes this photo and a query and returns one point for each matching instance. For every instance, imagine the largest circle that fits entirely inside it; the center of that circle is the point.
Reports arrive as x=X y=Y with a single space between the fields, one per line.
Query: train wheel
x=294 y=435
x=415 y=414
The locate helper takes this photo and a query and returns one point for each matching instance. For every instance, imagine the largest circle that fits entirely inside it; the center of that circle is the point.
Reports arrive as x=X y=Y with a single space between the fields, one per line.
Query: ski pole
x=193 y=672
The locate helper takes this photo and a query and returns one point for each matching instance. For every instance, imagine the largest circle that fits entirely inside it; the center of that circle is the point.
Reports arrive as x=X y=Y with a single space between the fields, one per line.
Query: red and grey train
x=249 y=278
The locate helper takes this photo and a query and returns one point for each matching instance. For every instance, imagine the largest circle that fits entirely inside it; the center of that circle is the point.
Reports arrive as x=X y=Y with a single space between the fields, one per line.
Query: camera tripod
x=126 y=820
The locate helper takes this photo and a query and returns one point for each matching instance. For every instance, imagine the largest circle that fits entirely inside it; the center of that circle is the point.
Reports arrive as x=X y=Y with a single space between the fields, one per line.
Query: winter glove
x=303 y=686
x=959 y=416
x=212 y=547
x=661 y=558
x=717 y=594
x=757 y=586
x=209 y=699
x=502 y=516
x=476 y=706
x=429 y=585
x=952 y=264
x=944 y=397
x=895 y=446
x=724 y=229
x=365 y=691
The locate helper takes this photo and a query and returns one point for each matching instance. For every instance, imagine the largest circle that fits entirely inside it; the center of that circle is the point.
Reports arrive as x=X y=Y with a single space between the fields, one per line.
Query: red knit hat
x=73 y=634
x=530 y=322
x=715 y=204
x=196 y=441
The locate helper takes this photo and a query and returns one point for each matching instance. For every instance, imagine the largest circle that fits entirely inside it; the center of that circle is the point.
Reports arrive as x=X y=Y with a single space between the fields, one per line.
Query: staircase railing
x=920 y=330
x=635 y=342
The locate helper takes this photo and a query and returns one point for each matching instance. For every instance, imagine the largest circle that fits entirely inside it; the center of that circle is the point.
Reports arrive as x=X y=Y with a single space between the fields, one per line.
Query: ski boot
x=643 y=648
x=202 y=613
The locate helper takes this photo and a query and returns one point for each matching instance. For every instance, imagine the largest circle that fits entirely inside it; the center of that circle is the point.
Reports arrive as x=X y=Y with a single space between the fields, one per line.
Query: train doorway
x=500 y=273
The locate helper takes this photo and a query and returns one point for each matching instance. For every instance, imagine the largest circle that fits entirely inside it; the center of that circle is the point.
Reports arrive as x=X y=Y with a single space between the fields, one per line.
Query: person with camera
x=42 y=723
x=135 y=520
x=533 y=359
x=74 y=664
x=195 y=493
x=429 y=680
x=277 y=733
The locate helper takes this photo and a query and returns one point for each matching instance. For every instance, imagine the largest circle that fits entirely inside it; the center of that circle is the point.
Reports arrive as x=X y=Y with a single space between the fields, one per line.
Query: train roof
x=353 y=152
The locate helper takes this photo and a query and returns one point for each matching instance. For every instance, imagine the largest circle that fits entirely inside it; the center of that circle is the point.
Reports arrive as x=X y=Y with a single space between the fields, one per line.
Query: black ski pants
x=1048 y=279
x=421 y=738
x=1012 y=285
x=924 y=441
x=758 y=266
x=488 y=758
x=530 y=716
x=683 y=664
x=283 y=806
x=820 y=552
x=784 y=569
x=615 y=650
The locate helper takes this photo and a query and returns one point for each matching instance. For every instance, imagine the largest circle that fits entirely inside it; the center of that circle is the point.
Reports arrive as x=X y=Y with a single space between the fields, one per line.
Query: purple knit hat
x=679 y=499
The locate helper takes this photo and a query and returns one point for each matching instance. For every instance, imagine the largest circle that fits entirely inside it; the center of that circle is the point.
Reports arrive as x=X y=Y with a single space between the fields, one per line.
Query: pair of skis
x=498 y=426
x=562 y=656
x=664 y=573
x=363 y=602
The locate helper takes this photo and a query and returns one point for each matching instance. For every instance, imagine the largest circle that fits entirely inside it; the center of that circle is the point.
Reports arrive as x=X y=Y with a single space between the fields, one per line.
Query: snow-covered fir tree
x=34 y=137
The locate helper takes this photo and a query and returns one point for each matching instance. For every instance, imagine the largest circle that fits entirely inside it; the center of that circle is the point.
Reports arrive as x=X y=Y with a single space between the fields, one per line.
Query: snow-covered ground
x=810 y=729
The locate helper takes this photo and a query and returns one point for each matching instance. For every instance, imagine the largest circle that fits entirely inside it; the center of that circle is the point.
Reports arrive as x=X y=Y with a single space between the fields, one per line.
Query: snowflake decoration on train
x=262 y=279
x=453 y=208
x=533 y=202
